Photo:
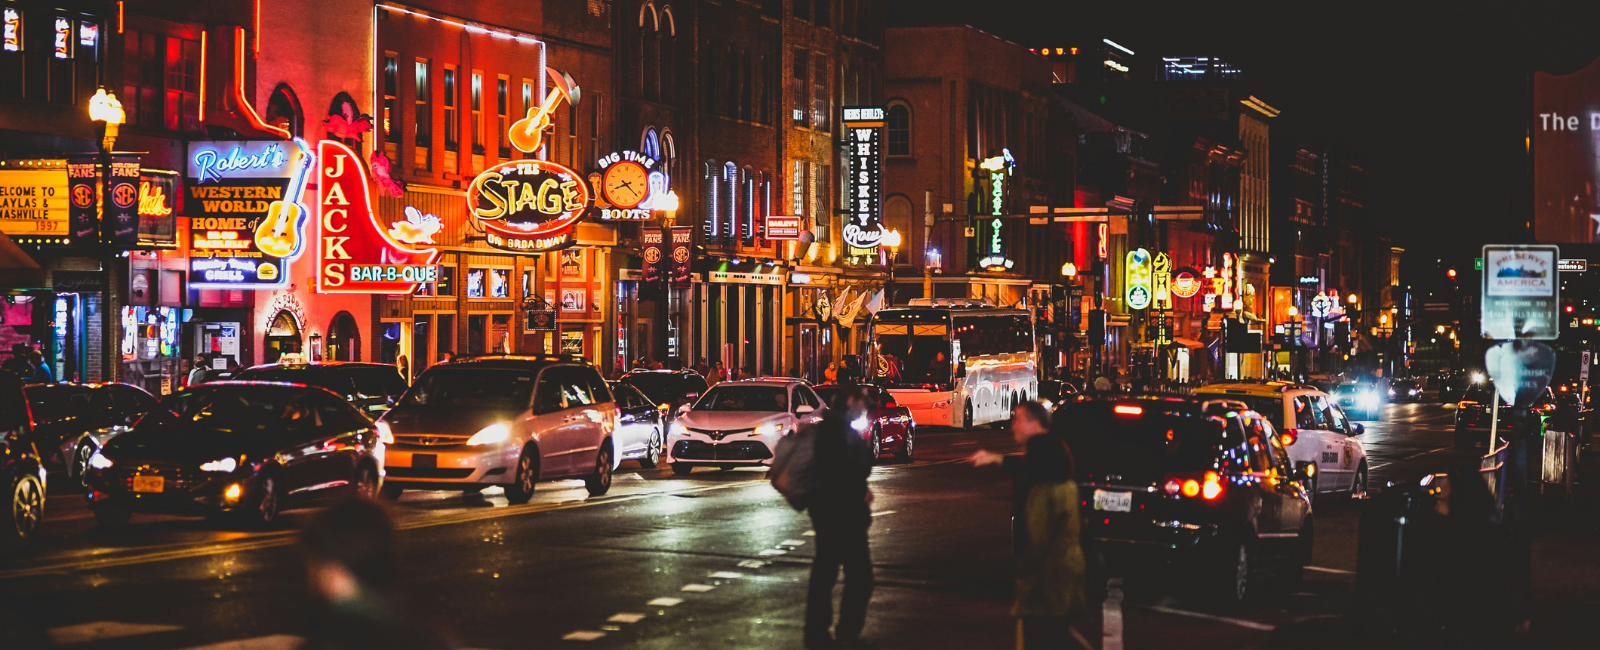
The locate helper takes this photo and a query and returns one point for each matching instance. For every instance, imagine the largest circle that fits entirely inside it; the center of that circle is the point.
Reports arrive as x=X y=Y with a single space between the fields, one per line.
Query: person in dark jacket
x=1029 y=421
x=841 y=511
x=352 y=569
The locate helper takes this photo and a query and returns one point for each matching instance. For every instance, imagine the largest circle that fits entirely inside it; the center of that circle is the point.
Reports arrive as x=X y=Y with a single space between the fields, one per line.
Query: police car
x=1315 y=430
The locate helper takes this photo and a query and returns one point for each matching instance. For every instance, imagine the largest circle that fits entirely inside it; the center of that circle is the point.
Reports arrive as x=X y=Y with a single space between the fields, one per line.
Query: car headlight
x=493 y=434
x=385 y=434
x=1391 y=392
x=1369 y=399
x=224 y=465
x=99 y=461
x=678 y=429
x=770 y=429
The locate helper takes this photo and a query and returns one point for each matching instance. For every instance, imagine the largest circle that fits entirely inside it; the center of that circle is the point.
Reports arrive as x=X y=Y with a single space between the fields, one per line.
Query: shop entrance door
x=283 y=337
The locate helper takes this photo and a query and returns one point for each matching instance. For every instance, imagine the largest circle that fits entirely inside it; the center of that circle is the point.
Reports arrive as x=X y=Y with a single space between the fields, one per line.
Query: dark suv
x=370 y=387
x=1204 y=487
x=674 y=388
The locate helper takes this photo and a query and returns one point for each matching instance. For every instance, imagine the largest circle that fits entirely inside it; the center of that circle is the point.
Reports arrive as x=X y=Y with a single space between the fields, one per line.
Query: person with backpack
x=823 y=468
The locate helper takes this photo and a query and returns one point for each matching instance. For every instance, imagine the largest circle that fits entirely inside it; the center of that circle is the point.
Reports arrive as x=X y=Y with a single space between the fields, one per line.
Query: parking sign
x=1520 y=294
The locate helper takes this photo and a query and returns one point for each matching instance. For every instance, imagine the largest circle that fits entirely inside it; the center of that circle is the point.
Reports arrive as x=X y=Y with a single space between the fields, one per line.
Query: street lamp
x=893 y=240
x=1069 y=270
x=105 y=109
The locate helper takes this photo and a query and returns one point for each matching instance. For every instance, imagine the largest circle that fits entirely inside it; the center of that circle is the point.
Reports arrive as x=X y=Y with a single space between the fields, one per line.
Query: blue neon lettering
x=213 y=167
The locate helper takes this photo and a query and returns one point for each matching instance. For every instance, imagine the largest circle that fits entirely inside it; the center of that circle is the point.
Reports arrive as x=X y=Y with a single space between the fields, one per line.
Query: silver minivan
x=502 y=420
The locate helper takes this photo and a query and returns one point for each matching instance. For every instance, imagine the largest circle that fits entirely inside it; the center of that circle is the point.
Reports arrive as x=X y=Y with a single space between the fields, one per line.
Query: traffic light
x=1097 y=327
x=1451 y=274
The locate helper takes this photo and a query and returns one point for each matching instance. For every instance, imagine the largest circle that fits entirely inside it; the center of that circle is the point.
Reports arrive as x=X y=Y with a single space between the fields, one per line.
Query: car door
x=1309 y=445
x=1346 y=445
x=301 y=453
x=1258 y=452
x=340 y=432
x=599 y=419
x=544 y=419
x=1292 y=508
x=1338 y=477
x=634 y=425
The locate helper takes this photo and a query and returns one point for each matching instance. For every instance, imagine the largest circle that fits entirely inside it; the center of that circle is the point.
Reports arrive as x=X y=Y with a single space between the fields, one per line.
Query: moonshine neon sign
x=999 y=168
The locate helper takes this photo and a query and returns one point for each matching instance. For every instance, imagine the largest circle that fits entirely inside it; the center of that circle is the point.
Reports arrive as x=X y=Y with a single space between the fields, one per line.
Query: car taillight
x=1289 y=436
x=1465 y=403
x=1127 y=409
x=1207 y=486
x=1191 y=487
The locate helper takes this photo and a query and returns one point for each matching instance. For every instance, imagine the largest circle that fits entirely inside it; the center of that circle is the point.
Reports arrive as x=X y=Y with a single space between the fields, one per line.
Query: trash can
x=1398 y=563
x=1560 y=459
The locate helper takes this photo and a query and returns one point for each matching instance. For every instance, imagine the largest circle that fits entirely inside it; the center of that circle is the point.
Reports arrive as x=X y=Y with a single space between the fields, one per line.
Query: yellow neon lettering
x=335 y=195
x=337 y=169
x=569 y=196
x=333 y=248
x=485 y=189
x=526 y=200
x=333 y=274
x=549 y=203
x=327 y=220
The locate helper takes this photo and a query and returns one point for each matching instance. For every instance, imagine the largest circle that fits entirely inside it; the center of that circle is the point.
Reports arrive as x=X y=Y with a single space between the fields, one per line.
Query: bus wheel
x=966 y=415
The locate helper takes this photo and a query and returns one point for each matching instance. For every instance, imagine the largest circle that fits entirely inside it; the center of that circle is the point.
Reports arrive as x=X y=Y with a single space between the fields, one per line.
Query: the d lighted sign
x=864 y=144
x=1137 y=272
x=354 y=254
x=528 y=206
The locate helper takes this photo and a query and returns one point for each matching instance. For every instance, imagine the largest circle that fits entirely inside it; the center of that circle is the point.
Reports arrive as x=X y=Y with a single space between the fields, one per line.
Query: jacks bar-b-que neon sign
x=354 y=254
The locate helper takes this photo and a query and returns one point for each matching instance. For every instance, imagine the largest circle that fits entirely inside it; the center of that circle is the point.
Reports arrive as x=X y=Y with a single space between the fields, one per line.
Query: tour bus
x=955 y=362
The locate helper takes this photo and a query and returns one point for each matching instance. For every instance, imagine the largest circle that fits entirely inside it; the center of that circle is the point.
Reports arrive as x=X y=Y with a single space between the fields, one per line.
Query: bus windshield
x=914 y=354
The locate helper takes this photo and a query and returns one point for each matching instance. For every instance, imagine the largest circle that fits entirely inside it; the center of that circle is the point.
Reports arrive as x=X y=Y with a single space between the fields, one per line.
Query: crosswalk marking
x=273 y=642
x=583 y=635
x=103 y=630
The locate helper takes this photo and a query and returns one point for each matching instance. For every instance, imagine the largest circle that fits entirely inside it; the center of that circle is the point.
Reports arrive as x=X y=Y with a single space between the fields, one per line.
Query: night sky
x=1439 y=91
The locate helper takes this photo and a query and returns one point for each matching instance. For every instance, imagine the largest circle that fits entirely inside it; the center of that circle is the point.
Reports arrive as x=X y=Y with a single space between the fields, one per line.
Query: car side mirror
x=804 y=409
x=1357 y=428
x=682 y=410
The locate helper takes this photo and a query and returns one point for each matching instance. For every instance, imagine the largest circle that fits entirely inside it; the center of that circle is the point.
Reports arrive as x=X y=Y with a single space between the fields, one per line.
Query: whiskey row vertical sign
x=863 y=130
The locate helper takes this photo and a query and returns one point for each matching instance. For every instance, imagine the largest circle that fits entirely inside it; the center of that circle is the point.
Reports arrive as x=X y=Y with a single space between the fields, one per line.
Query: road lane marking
x=809 y=533
x=1323 y=569
x=665 y=602
x=792 y=542
x=285 y=538
x=583 y=635
x=1111 y=616
x=881 y=513
x=726 y=575
x=1266 y=627
x=1424 y=453
x=752 y=564
x=103 y=630
x=696 y=588
x=273 y=642
x=769 y=552
x=625 y=617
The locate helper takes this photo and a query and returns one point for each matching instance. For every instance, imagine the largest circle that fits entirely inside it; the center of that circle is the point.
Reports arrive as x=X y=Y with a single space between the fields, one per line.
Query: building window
x=802 y=9
x=824 y=221
x=477 y=281
x=502 y=96
x=668 y=38
x=422 y=115
x=797 y=195
x=669 y=153
x=594 y=126
x=822 y=100
x=391 y=94
x=572 y=135
x=898 y=129
x=799 y=88
x=824 y=12
x=161 y=81
x=747 y=196
x=443 y=287
x=452 y=128
x=730 y=186
x=708 y=193
x=476 y=101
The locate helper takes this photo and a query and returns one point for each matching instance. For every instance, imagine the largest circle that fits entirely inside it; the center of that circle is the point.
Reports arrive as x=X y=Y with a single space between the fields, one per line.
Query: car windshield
x=1138 y=448
x=1480 y=393
x=913 y=354
x=744 y=398
x=51 y=403
x=467 y=387
x=658 y=386
x=221 y=408
x=302 y=375
x=1270 y=407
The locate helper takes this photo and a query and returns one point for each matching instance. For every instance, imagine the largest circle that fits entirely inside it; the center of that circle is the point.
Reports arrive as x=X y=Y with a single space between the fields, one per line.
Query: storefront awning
x=18 y=271
x=1188 y=343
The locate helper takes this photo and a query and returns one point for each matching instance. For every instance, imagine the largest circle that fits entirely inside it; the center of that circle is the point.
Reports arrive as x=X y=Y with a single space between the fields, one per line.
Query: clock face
x=625 y=184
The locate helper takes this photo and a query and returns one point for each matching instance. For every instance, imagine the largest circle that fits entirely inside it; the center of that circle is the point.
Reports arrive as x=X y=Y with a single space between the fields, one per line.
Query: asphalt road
x=711 y=560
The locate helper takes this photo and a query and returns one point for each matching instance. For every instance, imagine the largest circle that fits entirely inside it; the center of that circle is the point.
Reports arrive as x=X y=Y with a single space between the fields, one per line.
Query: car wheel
x=366 y=482
x=728 y=468
x=27 y=510
x=1311 y=489
x=966 y=415
x=599 y=482
x=904 y=455
x=652 y=451
x=521 y=488
x=391 y=492
x=1233 y=580
x=265 y=512
x=877 y=442
x=681 y=469
x=112 y=516
x=1358 y=486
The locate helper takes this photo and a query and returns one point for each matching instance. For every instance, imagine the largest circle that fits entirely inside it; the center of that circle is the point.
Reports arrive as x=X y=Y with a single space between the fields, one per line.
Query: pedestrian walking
x=841 y=511
x=719 y=374
x=353 y=574
x=1029 y=420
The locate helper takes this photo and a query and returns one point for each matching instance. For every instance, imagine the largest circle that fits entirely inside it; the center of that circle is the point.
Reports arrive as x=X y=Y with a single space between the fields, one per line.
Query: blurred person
x=1029 y=421
x=18 y=363
x=353 y=575
x=447 y=356
x=841 y=511
x=41 y=370
x=701 y=368
x=1050 y=567
x=197 y=374
x=850 y=371
x=939 y=367
x=831 y=373
x=718 y=374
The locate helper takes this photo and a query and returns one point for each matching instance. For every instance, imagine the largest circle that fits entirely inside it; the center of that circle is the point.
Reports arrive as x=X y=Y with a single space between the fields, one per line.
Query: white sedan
x=739 y=423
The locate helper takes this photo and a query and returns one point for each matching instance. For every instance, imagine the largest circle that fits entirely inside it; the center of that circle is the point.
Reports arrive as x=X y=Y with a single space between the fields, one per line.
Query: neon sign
x=354 y=254
x=153 y=200
x=784 y=228
x=528 y=206
x=11 y=34
x=1185 y=284
x=864 y=141
x=1137 y=270
x=214 y=161
x=629 y=187
x=1160 y=281
x=63 y=41
x=999 y=167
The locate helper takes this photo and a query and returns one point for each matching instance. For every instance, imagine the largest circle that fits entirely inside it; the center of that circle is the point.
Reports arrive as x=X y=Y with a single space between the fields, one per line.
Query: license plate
x=425 y=461
x=1113 y=501
x=149 y=483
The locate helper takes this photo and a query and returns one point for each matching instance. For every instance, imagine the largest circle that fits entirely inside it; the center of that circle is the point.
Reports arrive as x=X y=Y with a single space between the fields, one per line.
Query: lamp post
x=892 y=240
x=107 y=111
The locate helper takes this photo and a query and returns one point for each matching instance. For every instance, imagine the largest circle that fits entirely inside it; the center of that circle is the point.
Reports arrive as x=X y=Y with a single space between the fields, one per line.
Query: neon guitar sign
x=280 y=233
x=527 y=134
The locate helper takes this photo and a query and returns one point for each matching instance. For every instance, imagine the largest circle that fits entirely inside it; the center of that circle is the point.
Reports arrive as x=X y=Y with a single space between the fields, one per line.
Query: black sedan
x=1406 y=391
x=1205 y=489
x=71 y=421
x=676 y=389
x=248 y=449
x=21 y=472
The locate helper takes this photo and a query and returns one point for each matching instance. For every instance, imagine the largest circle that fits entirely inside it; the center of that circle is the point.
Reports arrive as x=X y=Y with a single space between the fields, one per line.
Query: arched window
x=747 y=207
x=897 y=128
x=730 y=199
x=897 y=216
x=648 y=143
x=668 y=38
x=649 y=45
x=669 y=153
x=283 y=110
x=708 y=192
x=344 y=339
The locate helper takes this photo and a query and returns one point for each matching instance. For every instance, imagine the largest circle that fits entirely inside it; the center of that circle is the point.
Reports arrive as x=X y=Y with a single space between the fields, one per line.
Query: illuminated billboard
x=1566 y=156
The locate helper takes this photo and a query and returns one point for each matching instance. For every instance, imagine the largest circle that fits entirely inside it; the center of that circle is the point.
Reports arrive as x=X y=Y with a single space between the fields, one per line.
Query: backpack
x=792 y=463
